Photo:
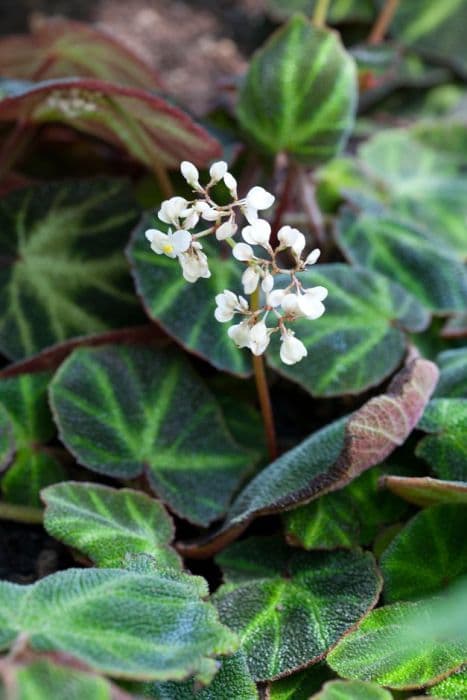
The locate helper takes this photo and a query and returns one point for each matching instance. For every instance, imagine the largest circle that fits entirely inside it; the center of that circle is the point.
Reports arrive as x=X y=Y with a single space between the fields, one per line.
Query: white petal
x=251 y=214
x=290 y=304
x=218 y=170
x=313 y=256
x=223 y=315
x=240 y=334
x=287 y=235
x=160 y=244
x=320 y=293
x=226 y=230
x=259 y=198
x=190 y=173
x=259 y=338
x=210 y=214
x=311 y=307
x=171 y=209
x=150 y=234
x=250 y=279
x=231 y=184
x=275 y=298
x=181 y=240
x=268 y=283
x=298 y=244
x=292 y=349
x=257 y=233
x=243 y=252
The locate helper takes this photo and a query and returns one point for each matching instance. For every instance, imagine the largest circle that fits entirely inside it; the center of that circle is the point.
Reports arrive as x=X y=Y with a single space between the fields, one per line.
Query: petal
x=259 y=198
x=242 y=252
x=218 y=170
x=181 y=240
x=313 y=256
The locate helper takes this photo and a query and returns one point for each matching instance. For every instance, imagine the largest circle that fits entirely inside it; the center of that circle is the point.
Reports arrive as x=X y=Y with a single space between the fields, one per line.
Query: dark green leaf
x=31 y=471
x=64 y=274
x=352 y=690
x=427 y=555
x=425 y=491
x=299 y=686
x=7 y=440
x=300 y=93
x=453 y=378
x=106 y=524
x=125 y=411
x=445 y=448
x=129 y=625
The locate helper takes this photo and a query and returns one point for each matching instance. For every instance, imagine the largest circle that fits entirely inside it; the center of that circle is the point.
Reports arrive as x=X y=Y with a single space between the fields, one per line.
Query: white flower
x=275 y=297
x=218 y=170
x=313 y=256
x=194 y=263
x=240 y=334
x=226 y=230
x=250 y=279
x=190 y=173
x=170 y=244
x=243 y=252
x=292 y=349
x=171 y=210
x=292 y=238
x=258 y=233
x=190 y=218
x=207 y=213
x=231 y=184
x=268 y=283
x=259 y=338
x=228 y=304
x=307 y=305
x=291 y=304
x=257 y=199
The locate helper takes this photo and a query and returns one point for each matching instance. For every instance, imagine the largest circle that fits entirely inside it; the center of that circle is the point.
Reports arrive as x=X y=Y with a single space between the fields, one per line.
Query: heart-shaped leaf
x=407 y=570
x=125 y=411
x=405 y=253
x=360 y=340
x=290 y=607
x=64 y=273
x=300 y=93
x=406 y=645
x=352 y=690
x=453 y=688
x=424 y=491
x=445 y=448
x=331 y=457
x=184 y=310
x=144 y=125
x=106 y=524
x=61 y=47
x=453 y=377
x=126 y=624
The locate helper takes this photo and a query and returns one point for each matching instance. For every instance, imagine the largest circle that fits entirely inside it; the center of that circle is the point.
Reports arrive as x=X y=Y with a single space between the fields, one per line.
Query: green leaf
x=352 y=690
x=407 y=570
x=64 y=272
x=300 y=93
x=331 y=457
x=233 y=680
x=290 y=607
x=339 y=11
x=31 y=471
x=125 y=624
x=299 y=686
x=151 y=130
x=106 y=524
x=405 y=253
x=345 y=518
x=452 y=688
x=125 y=411
x=445 y=449
x=425 y=491
x=453 y=378
x=406 y=645
x=360 y=340
x=7 y=440
x=184 y=310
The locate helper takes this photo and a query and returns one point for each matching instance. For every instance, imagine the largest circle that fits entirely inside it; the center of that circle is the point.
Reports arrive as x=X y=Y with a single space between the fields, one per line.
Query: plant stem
x=263 y=392
x=21 y=514
x=162 y=177
x=383 y=21
x=320 y=13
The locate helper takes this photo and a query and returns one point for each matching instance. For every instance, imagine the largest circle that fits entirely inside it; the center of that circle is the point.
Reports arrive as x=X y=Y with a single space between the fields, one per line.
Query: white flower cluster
x=283 y=305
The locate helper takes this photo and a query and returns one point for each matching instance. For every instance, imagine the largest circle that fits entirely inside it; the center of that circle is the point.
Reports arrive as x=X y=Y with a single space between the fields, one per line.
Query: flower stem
x=383 y=21
x=320 y=13
x=21 y=514
x=263 y=392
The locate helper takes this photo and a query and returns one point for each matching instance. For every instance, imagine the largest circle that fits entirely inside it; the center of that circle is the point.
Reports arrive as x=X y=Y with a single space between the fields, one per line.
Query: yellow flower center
x=168 y=248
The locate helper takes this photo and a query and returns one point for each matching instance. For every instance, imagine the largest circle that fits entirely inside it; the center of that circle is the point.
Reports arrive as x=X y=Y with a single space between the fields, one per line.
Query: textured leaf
x=233 y=680
x=345 y=518
x=424 y=491
x=453 y=377
x=61 y=47
x=409 y=572
x=339 y=11
x=445 y=448
x=125 y=624
x=453 y=688
x=32 y=470
x=106 y=524
x=125 y=411
x=300 y=93
x=143 y=124
x=360 y=340
x=290 y=607
x=331 y=457
x=65 y=273
x=7 y=440
x=184 y=310
x=406 y=254
x=406 y=645
x=299 y=685
x=352 y=690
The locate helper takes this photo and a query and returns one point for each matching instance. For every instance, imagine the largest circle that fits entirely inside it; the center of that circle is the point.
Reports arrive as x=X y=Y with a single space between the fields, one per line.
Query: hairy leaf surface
x=425 y=491
x=445 y=448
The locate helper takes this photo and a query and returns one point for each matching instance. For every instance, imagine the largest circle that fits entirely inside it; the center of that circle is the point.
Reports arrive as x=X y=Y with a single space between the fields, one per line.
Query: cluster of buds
x=281 y=306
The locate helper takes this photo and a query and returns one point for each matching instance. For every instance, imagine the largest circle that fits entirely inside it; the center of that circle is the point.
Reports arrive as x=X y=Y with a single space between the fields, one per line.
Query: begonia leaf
x=106 y=524
x=445 y=447
x=452 y=688
x=425 y=491
x=352 y=690
x=453 y=377
x=299 y=95
x=290 y=607
x=299 y=685
x=126 y=411
x=7 y=440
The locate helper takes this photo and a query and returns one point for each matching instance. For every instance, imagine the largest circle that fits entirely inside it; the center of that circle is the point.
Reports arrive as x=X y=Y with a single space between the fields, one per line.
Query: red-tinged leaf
x=425 y=491
x=144 y=125
x=330 y=458
x=62 y=48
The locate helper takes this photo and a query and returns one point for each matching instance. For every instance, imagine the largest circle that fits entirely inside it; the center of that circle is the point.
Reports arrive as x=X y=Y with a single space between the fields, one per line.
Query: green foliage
x=340 y=10
x=445 y=448
x=299 y=685
x=299 y=95
x=409 y=571
x=425 y=491
x=290 y=607
x=7 y=441
x=106 y=524
x=128 y=411
x=453 y=377
x=352 y=690
x=452 y=688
